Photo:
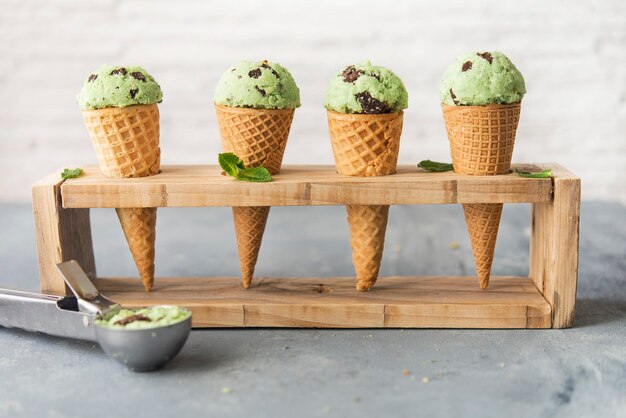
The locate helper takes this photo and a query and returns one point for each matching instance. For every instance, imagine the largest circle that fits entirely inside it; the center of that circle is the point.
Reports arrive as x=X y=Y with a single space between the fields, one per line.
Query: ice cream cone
x=127 y=143
x=481 y=143
x=366 y=145
x=139 y=226
x=249 y=227
x=258 y=137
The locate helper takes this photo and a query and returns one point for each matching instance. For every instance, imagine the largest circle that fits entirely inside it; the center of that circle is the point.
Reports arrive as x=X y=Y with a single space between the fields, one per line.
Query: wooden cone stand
x=545 y=299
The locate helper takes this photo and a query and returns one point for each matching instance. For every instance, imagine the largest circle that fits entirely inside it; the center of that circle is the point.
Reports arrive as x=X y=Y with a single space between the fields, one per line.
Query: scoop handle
x=89 y=298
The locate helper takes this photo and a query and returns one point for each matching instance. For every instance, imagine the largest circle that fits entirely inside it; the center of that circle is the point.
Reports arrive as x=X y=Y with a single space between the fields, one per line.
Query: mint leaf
x=71 y=173
x=230 y=163
x=256 y=174
x=234 y=167
x=540 y=175
x=435 y=166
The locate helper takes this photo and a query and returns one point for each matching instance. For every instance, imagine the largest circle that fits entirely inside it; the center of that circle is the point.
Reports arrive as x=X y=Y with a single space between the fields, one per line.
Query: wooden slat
x=61 y=234
x=187 y=186
x=554 y=246
x=395 y=302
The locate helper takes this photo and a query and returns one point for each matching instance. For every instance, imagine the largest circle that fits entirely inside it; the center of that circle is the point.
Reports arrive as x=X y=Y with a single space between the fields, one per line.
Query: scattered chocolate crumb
x=260 y=90
x=256 y=73
x=238 y=76
x=119 y=71
x=138 y=76
x=454 y=98
x=371 y=105
x=485 y=55
x=92 y=77
x=350 y=74
x=133 y=93
x=466 y=66
x=132 y=318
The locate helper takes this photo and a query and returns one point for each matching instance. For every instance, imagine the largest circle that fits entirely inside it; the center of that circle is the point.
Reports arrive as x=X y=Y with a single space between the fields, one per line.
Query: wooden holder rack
x=545 y=299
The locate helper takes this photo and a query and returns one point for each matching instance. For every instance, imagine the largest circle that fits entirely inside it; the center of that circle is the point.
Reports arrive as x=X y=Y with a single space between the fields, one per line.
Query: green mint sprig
x=435 y=166
x=234 y=167
x=540 y=175
x=71 y=173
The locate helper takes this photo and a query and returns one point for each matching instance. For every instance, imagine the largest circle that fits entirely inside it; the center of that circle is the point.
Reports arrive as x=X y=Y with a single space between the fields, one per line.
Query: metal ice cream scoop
x=74 y=317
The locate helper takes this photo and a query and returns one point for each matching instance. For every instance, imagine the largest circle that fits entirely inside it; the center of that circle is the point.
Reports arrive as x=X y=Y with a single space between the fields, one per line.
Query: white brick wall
x=573 y=55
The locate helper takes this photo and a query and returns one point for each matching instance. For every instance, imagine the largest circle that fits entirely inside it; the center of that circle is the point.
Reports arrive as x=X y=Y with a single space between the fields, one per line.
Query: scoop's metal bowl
x=143 y=350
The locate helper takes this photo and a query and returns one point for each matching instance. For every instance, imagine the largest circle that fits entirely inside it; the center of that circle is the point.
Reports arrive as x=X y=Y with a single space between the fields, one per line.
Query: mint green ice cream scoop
x=482 y=78
x=151 y=317
x=258 y=85
x=366 y=88
x=112 y=86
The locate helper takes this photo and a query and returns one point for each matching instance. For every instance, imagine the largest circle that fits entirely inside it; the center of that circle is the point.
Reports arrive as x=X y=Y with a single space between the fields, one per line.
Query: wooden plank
x=61 y=235
x=395 y=302
x=188 y=186
x=554 y=245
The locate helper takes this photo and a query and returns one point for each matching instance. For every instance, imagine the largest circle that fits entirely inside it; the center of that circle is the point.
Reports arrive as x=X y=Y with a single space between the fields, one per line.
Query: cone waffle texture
x=249 y=227
x=257 y=136
x=481 y=137
x=365 y=145
x=127 y=143
x=483 y=221
x=481 y=143
x=126 y=140
x=139 y=226
x=368 y=224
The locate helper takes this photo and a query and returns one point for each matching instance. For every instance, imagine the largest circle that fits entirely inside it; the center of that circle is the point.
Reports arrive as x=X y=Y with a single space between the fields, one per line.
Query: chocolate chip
x=133 y=93
x=92 y=77
x=350 y=74
x=132 y=318
x=466 y=66
x=376 y=76
x=264 y=64
x=238 y=76
x=260 y=90
x=138 y=76
x=256 y=73
x=119 y=71
x=485 y=55
x=371 y=105
x=456 y=102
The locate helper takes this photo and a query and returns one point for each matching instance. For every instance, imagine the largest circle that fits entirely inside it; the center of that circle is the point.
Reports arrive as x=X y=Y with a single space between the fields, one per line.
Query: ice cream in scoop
x=482 y=78
x=258 y=85
x=112 y=86
x=366 y=88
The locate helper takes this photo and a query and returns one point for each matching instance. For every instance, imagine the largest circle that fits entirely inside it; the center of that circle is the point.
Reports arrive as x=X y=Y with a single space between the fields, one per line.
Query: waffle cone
x=126 y=141
x=366 y=146
x=139 y=226
x=258 y=137
x=368 y=224
x=481 y=143
x=249 y=227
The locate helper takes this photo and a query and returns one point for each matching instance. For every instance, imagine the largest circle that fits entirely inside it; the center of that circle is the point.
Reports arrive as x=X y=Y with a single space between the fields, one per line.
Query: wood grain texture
x=188 y=186
x=395 y=302
x=61 y=235
x=554 y=246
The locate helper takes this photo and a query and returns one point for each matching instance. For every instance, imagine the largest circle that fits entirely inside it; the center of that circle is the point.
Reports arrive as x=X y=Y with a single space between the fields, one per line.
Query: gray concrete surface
x=272 y=373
